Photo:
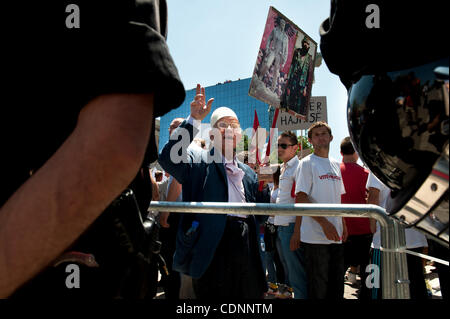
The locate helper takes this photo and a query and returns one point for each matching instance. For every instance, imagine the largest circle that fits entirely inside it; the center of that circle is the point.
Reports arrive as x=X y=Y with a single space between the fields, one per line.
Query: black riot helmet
x=394 y=62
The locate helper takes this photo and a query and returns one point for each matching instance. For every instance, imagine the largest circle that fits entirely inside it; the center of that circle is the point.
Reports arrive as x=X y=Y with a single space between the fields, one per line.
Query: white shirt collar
x=228 y=161
x=292 y=161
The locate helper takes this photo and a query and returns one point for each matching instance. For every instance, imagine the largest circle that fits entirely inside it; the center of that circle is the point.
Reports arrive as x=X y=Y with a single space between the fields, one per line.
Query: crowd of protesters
x=281 y=256
x=76 y=185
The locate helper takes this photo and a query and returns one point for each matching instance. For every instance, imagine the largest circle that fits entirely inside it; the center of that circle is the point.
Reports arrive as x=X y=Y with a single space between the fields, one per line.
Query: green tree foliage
x=305 y=143
x=243 y=144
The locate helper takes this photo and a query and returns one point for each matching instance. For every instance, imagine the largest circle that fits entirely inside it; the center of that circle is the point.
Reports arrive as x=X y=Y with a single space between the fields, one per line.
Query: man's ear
x=331 y=138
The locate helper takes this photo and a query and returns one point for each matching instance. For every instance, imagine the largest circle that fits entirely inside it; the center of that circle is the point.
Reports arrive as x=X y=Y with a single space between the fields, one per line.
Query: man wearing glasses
x=288 y=236
x=220 y=252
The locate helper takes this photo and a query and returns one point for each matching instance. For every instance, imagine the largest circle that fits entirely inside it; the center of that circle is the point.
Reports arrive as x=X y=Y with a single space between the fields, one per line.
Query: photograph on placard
x=283 y=74
x=274 y=59
x=297 y=92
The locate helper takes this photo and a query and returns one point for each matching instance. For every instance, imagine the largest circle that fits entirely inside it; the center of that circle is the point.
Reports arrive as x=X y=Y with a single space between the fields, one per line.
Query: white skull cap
x=220 y=113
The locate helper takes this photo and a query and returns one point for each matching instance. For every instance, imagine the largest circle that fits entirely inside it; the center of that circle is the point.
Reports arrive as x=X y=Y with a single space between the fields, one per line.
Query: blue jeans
x=295 y=262
x=283 y=263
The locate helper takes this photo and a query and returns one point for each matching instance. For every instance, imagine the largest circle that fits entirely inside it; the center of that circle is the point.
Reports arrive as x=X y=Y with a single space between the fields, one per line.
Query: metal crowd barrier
x=394 y=271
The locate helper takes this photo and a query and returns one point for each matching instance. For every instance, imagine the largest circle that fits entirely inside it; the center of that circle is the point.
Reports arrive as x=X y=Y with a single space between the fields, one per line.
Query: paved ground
x=431 y=277
x=351 y=291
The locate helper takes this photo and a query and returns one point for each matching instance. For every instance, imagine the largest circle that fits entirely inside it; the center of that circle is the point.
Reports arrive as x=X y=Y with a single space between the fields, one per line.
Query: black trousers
x=357 y=253
x=416 y=274
x=171 y=283
x=325 y=270
x=236 y=269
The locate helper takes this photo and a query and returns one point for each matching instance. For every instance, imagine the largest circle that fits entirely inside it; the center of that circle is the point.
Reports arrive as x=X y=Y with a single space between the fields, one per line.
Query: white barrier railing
x=394 y=270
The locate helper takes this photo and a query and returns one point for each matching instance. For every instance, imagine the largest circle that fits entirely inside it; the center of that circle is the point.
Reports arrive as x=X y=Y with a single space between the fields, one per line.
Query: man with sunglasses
x=220 y=252
x=319 y=180
x=288 y=236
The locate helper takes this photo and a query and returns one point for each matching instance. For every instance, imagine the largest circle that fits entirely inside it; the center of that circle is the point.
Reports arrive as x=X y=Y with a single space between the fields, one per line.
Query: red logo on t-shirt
x=330 y=176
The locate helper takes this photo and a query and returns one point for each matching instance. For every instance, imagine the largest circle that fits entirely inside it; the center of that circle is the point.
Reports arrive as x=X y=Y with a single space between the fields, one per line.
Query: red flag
x=255 y=137
x=274 y=123
x=255 y=121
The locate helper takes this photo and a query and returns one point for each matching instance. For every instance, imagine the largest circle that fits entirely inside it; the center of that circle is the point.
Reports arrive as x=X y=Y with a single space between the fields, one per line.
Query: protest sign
x=283 y=73
x=317 y=112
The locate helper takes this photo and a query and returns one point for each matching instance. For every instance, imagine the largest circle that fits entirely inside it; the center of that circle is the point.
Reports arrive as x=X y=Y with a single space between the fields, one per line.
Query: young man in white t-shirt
x=319 y=180
x=416 y=241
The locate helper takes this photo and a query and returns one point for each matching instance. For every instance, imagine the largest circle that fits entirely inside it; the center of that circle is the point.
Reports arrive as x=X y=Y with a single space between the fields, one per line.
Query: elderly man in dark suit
x=220 y=252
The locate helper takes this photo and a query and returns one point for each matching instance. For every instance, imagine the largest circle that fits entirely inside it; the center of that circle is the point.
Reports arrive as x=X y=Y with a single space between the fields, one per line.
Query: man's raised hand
x=199 y=108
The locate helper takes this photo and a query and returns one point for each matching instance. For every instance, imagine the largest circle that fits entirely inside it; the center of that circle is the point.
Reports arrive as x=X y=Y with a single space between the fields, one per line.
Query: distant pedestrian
x=357 y=246
x=415 y=241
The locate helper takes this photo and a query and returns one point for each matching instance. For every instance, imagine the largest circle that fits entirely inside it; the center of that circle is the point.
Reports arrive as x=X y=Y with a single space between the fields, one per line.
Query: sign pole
x=266 y=158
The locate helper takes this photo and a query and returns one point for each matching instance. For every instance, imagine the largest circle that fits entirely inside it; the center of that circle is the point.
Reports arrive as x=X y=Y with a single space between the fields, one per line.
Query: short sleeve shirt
x=413 y=238
x=320 y=178
x=355 y=179
x=287 y=180
x=57 y=56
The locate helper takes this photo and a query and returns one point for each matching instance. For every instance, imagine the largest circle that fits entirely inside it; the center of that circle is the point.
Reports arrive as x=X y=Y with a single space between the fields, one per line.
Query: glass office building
x=233 y=94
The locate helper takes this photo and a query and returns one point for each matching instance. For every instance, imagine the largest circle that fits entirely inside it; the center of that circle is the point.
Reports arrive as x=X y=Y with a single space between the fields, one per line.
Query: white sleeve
x=273 y=197
x=373 y=181
x=303 y=178
x=343 y=191
x=195 y=123
x=190 y=120
x=338 y=172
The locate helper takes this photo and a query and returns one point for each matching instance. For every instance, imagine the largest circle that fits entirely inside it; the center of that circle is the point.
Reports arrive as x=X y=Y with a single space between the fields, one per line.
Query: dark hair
x=291 y=136
x=318 y=124
x=347 y=146
x=276 y=175
x=305 y=40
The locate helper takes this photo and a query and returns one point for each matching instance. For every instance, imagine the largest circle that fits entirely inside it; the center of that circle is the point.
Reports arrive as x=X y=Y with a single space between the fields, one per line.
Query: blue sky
x=216 y=40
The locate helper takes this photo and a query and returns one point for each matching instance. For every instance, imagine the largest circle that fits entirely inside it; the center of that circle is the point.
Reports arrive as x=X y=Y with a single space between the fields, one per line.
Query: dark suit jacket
x=204 y=180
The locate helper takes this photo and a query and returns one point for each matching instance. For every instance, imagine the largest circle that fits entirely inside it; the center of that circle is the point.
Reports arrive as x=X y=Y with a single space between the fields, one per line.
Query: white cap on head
x=220 y=113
